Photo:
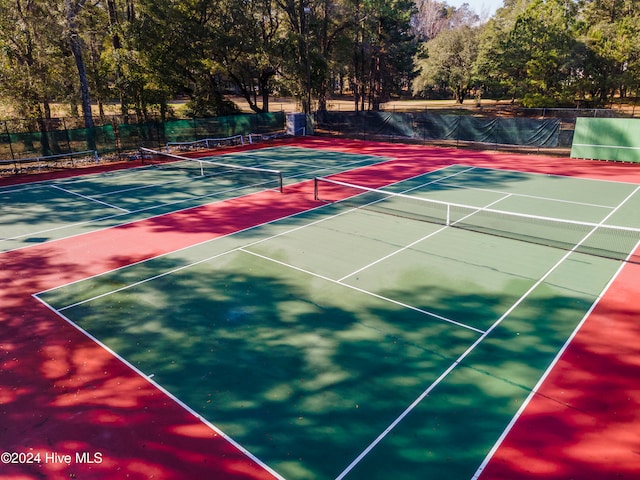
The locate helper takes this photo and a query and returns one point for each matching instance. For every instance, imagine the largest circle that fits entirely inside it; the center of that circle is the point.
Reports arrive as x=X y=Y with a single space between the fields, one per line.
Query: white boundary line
x=250 y=244
x=132 y=212
x=149 y=379
x=153 y=169
x=101 y=219
x=537 y=197
x=547 y=372
x=188 y=180
x=621 y=147
x=80 y=177
x=243 y=249
x=140 y=282
x=408 y=410
x=406 y=247
x=352 y=287
x=89 y=198
x=417 y=401
x=542 y=174
x=195 y=245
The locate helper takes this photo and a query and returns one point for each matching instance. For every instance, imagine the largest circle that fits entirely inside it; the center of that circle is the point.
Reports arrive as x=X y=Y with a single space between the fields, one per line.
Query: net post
x=315 y=189
x=448 y=214
x=281 y=182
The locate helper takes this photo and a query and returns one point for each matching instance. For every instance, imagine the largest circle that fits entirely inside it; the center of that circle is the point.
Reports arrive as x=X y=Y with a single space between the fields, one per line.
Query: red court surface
x=62 y=394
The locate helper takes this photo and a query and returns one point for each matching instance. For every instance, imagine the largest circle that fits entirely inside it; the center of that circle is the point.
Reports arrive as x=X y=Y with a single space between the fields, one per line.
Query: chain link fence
x=23 y=139
x=502 y=128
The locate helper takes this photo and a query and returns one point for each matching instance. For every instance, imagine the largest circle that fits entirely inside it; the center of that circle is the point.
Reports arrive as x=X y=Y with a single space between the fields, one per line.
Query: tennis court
x=380 y=334
x=38 y=212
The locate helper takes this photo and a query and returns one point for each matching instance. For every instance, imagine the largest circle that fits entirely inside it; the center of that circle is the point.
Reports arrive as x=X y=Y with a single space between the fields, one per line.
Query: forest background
x=89 y=57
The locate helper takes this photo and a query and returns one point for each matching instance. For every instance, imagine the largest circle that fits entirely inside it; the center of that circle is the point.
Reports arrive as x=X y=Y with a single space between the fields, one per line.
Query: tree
x=177 y=48
x=450 y=61
x=32 y=56
x=251 y=52
x=333 y=24
x=72 y=9
x=383 y=51
x=610 y=30
x=488 y=67
x=299 y=40
x=533 y=51
x=432 y=17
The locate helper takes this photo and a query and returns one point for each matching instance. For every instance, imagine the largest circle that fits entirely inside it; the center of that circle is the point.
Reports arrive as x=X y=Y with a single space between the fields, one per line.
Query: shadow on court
x=305 y=375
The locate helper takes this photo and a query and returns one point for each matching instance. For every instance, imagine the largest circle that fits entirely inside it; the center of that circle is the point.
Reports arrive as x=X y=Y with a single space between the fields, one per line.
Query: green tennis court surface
x=352 y=342
x=39 y=212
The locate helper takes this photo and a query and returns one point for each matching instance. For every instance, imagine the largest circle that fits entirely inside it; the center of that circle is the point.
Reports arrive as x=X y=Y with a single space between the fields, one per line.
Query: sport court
x=37 y=212
x=365 y=338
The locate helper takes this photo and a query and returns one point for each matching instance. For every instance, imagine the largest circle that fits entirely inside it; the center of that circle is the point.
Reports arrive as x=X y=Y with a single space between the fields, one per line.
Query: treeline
x=144 y=53
x=545 y=53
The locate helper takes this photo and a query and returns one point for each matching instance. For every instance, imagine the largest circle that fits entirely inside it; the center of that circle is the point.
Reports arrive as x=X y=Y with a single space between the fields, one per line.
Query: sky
x=479 y=6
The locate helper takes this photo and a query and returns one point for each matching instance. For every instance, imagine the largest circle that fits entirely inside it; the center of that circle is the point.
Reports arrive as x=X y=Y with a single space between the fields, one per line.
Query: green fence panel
x=17 y=141
x=240 y=124
x=214 y=127
x=228 y=126
x=435 y=126
x=27 y=144
x=607 y=139
x=474 y=129
x=394 y=124
x=374 y=124
x=506 y=131
x=267 y=122
x=6 y=150
x=527 y=131
x=146 y=134
x=102 y=139
x=180 y=131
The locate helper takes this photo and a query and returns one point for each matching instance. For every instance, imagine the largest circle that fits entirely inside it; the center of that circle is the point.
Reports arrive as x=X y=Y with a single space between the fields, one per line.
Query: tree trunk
x=85 y=97
x=76 y=48
x=264 y=86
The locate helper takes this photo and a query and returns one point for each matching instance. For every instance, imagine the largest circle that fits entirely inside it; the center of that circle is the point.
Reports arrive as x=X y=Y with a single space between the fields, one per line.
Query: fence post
x=116 y=134
x=6 y=128
x=66 y=132
x=364 y=126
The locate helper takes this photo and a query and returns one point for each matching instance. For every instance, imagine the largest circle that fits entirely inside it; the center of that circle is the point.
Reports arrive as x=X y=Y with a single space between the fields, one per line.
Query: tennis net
x=608 y=241
x=239 y=174
x=205 y=143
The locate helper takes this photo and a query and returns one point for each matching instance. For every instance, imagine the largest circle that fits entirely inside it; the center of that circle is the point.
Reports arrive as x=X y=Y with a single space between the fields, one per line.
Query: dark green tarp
x=503 y=131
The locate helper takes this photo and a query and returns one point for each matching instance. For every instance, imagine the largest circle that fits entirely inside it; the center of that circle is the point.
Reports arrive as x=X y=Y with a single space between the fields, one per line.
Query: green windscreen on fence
x=56 y=142
x=219 y=127
x=429 y=126
x=31 y=139
x=386 y=124
x=532 y=132
x=607 y=139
